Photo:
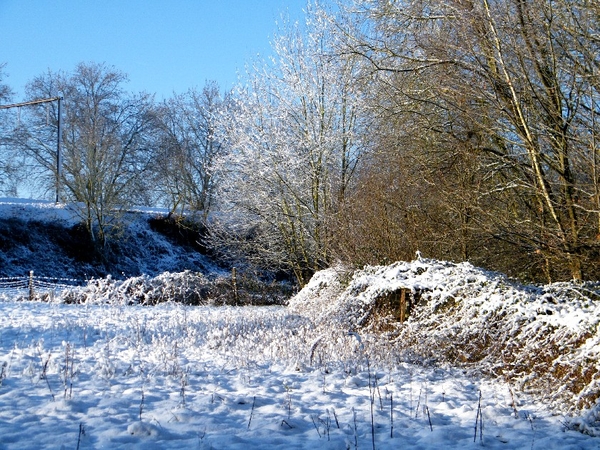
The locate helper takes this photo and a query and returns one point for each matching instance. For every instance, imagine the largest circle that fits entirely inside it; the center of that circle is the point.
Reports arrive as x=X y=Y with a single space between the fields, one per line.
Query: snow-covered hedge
x=541 y=339
x=187 y=287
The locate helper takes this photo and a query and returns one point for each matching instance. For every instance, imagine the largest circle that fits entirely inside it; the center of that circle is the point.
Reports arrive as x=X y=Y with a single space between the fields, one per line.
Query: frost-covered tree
x=105 y=139
x=293 y=151
x=187 y=148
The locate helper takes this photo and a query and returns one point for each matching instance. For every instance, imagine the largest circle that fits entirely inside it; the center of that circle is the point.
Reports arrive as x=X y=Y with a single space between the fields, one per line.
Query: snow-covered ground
x=330 y=370
x=170 y=376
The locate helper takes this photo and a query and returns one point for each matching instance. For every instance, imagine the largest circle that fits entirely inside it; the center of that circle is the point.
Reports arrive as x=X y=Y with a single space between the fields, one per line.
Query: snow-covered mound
x=541 y=339
x=336 y=295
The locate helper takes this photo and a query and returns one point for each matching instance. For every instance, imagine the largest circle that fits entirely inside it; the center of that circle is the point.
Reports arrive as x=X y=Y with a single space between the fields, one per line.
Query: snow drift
x=540 y=339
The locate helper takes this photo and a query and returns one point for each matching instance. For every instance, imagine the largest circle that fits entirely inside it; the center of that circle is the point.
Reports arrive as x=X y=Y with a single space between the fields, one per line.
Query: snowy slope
x=40 y=236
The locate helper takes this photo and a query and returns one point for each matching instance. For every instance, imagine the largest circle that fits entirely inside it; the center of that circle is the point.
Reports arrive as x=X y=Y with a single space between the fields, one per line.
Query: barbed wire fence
x=30 y=285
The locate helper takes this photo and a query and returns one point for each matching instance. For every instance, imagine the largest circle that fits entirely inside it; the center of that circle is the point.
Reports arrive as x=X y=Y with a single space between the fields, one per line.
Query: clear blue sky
x=164 y=46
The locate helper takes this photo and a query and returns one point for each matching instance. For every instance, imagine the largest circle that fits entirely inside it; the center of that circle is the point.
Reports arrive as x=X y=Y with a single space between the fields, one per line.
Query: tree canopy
x=466 y=130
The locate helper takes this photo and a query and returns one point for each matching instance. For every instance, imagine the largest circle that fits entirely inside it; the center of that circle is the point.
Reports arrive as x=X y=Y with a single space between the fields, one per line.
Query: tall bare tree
x=189 y=143
x=512 y=84
x=105 y=136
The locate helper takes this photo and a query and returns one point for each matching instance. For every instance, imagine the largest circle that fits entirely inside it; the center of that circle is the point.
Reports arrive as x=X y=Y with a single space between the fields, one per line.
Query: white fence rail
x=31 y=284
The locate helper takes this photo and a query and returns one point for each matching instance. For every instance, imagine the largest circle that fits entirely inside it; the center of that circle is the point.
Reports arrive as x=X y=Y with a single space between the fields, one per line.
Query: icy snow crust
x=316 y=374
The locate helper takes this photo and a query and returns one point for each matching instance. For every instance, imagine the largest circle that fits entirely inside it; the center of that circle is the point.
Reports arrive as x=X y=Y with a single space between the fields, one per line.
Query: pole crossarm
x=32 y=102
x=58 y=133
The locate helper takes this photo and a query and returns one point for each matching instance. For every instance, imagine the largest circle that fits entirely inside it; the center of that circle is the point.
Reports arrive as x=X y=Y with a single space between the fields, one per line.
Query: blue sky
x=164 y=46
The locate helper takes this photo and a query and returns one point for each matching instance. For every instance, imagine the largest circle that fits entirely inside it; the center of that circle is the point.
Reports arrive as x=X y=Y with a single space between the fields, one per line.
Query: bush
x=189 y=288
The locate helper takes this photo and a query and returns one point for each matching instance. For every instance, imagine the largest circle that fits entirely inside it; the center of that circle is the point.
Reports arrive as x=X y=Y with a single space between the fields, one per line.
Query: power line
x=32 y=102
x=58 y=155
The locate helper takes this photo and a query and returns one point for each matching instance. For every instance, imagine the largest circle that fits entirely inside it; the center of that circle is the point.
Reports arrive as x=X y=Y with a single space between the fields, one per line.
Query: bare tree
x=189 y=143
x=105 y=137
x=513 y=86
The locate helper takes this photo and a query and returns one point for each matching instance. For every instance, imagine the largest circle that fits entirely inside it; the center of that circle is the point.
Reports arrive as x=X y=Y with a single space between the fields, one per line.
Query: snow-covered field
x=171 y=376
x=328 y=371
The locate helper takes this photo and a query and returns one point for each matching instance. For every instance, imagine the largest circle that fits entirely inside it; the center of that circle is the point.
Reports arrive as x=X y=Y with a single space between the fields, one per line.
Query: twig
x=44 y=369
x=3 y=373
x=71 y=372
x=479 y=421
x=337 y=423
x=142 y=404
x=391 y=415
x=69 y=357
x=378 y=393
x=251 y=412
x=429 y=417
x=285 y=422
x=316 y=427
x=81 y=433
x=418 y=403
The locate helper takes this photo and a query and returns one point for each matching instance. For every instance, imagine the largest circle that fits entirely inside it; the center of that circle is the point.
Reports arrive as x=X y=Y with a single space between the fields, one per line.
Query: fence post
x=234 y=285
x=31 y=291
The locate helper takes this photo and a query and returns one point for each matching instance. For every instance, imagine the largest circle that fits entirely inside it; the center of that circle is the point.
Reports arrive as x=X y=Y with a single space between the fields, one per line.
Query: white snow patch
x=170 y=377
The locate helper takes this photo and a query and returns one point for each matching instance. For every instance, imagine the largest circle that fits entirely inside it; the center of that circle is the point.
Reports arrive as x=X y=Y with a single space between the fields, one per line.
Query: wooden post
x=402 y=305
x=234 y=285
x=31 y=291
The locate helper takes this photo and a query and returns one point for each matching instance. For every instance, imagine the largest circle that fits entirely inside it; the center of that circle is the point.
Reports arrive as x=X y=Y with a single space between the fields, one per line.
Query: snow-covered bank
x=171 y=376
x=543 y=340
x=48 y=238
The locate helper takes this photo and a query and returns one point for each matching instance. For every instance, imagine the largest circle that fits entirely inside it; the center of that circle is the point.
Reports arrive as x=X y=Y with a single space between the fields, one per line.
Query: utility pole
x=58 y=154
x=58 y=134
